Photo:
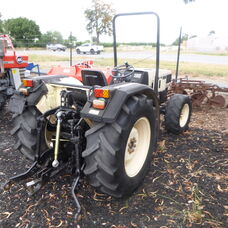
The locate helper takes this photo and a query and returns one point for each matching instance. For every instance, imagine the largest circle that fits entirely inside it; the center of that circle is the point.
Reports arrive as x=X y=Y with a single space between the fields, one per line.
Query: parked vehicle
x=89 y=48
x=56 y=47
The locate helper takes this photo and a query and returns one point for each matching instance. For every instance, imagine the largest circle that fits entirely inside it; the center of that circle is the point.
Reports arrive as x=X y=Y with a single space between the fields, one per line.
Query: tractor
x=104 y=125
x=12 y=68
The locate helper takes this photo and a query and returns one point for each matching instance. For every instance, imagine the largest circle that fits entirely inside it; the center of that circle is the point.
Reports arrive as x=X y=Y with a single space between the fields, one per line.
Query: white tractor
x=105 y=125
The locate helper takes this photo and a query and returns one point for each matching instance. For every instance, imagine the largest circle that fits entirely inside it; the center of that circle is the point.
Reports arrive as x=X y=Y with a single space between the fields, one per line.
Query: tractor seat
x=93 y=77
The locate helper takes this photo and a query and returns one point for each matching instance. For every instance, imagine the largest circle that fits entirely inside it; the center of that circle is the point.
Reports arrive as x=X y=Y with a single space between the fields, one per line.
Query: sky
x=197 y=18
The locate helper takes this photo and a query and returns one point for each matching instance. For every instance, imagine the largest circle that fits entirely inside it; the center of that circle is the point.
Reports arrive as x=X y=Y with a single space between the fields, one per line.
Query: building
x=208 y=43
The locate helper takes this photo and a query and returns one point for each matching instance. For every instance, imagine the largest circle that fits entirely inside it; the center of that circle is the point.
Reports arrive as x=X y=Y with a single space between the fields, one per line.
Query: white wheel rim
x=137 y=147
x=184 y=115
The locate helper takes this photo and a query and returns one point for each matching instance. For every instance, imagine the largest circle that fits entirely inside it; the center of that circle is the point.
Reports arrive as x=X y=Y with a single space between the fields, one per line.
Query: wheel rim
x=137 y=147
x=184 y=115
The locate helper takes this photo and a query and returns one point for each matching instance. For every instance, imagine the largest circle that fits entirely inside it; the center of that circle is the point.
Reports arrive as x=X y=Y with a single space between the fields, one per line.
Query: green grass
x=165 y=51
x=198 y=69
x=191 y=69
x=208 y=53
x=46 y=58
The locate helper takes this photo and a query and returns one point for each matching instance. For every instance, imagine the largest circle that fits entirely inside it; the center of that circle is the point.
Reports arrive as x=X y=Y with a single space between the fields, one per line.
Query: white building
x=208 y=43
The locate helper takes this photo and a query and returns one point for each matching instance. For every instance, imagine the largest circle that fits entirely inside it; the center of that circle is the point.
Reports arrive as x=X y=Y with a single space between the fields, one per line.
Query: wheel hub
x=132 y=145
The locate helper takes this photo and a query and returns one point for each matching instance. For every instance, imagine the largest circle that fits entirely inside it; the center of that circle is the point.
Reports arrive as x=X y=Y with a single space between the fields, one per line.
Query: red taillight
x=28 y=83
x=103 y=93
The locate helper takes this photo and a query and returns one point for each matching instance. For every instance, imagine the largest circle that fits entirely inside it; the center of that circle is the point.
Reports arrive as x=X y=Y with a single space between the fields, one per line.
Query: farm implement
x=201 y=92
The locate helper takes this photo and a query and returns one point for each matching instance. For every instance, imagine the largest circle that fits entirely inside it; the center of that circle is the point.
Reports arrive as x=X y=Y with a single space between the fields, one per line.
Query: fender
x=119 y=95
x=18 y=102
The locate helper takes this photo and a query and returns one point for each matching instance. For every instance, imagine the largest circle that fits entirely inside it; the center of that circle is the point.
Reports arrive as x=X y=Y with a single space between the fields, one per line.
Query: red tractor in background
x=75 y=71
x=12 y=68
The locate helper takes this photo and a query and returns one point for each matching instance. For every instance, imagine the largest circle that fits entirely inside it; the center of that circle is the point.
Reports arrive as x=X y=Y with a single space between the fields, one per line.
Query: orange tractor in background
x=12 y=68
x=75 y=71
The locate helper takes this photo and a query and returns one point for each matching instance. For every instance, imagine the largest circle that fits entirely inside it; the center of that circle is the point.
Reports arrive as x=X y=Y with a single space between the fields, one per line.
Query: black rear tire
x=25 y=132
x=178 y=113
x=107 y=146
x=78 y=51
x=3 y=98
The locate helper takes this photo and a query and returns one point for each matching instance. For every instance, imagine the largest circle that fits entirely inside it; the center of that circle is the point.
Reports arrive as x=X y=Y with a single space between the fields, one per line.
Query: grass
x=209 y=53
x=165 y=50
x=198 y=69
x=193 y=69
x=46 y=58
x=186 y=68
x=195 y=213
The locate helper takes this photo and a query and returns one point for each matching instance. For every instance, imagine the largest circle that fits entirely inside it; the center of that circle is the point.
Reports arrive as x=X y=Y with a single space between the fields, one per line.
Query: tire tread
x=101 y=164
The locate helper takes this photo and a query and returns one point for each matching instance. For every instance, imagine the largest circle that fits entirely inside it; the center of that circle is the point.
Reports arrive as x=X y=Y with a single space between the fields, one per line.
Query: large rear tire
x=178 y=113
x=2 y=100
x=25 y=132
x=118 y=155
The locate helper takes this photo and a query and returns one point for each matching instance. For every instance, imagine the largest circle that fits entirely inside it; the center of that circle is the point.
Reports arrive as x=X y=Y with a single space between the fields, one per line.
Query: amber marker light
x=27 y=83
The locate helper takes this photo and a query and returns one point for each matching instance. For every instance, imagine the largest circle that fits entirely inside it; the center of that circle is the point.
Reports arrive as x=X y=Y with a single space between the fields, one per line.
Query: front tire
x=118 y=155
x=178 y=113
x=78 y=51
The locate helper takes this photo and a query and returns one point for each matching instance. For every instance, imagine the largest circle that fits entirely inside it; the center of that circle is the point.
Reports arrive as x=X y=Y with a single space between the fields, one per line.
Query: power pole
x=70 y=48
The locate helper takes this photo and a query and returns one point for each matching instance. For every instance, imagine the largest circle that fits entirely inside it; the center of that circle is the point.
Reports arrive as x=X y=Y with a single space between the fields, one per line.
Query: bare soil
x=185 y=187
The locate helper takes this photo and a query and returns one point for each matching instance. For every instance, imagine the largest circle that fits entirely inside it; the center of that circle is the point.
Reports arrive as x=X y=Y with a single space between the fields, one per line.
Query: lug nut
x=130 y=150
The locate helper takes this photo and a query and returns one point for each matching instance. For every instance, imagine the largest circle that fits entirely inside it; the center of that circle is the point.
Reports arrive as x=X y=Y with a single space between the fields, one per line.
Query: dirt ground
x=185 y=187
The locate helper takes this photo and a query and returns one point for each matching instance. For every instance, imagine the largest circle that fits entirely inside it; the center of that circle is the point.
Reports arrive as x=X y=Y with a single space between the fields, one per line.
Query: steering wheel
x=121 y=71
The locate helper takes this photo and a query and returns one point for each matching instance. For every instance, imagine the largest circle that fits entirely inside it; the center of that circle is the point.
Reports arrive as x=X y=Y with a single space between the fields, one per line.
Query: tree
x=212 y=32
x=100 y=18
x=72 y=40
x=52 y=37
x=183 y=37
x=24 y=31
x=192 y=36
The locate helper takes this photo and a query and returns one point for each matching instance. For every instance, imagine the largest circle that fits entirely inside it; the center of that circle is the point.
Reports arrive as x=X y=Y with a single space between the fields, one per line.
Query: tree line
x=26 y=32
